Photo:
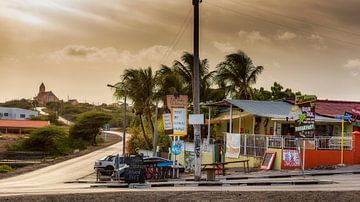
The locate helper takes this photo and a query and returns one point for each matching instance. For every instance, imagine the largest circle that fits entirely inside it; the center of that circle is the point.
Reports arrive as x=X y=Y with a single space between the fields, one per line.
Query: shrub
x=5 y=168
x=87 y=126
x=50 y=139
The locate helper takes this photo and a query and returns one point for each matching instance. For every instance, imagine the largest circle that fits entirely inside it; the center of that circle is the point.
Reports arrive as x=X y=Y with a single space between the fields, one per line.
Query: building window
x=22 y=116
x=6 y=114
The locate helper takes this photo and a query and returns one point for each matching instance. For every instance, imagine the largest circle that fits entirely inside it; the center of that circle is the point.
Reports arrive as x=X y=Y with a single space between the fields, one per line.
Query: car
x=108 y=163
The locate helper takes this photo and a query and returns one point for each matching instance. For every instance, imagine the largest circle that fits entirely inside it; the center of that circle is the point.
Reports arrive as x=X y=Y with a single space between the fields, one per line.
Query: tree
x=140 y=87
x=184 y=69
x=238 y=73
x=87 y=126
x=48 y=139
x=276 y=93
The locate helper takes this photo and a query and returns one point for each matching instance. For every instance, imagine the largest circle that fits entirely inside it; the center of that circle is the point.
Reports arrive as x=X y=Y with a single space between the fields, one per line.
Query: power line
x=177 y=38
x=283 y=25
x=296 y=19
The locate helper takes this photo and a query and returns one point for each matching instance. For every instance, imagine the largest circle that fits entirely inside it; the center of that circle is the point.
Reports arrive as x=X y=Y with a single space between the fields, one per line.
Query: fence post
x=245 y=147
x=240 y=141
x=282 y=142
x=267 y=143
x=254 y=145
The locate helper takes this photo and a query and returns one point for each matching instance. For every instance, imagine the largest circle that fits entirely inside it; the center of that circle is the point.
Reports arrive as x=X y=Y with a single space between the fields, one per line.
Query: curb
x=212 y=184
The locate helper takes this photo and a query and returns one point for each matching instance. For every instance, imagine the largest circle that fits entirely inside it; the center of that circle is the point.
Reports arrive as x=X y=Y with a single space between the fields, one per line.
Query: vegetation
x=51 y=139
x=237 y=73
x=87 y=126
x=5 y=168
x=23 y=104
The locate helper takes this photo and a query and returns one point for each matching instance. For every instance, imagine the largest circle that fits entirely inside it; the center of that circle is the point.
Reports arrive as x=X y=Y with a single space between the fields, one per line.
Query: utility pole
x=124 y=130
x=196 y=91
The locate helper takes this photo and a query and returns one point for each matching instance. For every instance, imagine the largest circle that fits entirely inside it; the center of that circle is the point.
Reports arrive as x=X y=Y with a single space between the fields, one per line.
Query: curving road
x=53 y=178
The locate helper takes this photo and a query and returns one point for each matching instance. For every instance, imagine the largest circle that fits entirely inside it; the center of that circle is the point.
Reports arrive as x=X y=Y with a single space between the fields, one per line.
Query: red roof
x=332 y=108
x=23 y=124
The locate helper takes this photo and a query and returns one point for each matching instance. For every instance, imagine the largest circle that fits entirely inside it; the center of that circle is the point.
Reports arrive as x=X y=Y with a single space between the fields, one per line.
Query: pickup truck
x=108 y=163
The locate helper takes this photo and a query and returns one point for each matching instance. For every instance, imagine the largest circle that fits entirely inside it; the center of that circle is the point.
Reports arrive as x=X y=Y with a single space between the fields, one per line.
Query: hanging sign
x=179 y=121
x=305 y=122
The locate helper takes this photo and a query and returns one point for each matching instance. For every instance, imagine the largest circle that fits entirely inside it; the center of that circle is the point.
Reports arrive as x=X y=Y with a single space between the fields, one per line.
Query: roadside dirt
x=195 y=196
x=111 y=139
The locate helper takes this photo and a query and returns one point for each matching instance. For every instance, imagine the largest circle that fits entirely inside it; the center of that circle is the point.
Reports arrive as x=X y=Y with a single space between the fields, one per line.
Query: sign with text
x=179 y=121
x=135 y=173
x=168 y=126
x=173 y=101
x=305 y=122
x=291 y=159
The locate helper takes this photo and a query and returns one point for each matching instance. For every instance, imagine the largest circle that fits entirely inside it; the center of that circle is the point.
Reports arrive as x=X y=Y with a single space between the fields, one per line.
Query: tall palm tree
x=184 y=69
x=140 y=86
x=238 y=73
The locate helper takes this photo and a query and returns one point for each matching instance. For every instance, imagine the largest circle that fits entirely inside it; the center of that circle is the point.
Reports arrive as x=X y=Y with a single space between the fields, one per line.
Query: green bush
x=50 y=139
x=87 y=126
x=5 y=168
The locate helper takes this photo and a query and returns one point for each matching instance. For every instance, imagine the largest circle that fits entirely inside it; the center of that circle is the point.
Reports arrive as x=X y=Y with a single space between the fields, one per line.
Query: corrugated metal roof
x=272 y=109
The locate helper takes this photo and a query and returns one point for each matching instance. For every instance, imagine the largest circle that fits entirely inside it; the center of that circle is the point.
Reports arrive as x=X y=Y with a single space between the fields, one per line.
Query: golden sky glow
x=76 y=47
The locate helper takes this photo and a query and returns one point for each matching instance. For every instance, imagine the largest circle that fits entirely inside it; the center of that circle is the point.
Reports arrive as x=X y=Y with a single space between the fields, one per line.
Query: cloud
x=151 y=56
x=253 y=36
x=224 y=47
x=354 y=66
x=319 y=42
x=286 y=36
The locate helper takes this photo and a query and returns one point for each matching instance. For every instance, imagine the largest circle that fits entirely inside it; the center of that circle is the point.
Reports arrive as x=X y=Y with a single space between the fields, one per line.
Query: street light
x=124 y=129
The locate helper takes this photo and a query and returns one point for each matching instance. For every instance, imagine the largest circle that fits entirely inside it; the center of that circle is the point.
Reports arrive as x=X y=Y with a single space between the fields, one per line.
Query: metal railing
x=256 y=145
x=318 y=142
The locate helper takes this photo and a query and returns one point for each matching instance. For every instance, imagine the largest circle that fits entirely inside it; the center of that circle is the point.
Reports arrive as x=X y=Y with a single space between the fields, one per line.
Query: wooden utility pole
x=196 y=91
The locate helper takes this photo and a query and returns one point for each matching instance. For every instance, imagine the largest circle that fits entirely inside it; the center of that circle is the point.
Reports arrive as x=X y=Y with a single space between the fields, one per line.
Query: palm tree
x=140 y=86
x=184 y=69
x=238 y=73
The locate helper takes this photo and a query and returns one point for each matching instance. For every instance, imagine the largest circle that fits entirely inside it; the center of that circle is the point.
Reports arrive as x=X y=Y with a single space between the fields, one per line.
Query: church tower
x=42 y=88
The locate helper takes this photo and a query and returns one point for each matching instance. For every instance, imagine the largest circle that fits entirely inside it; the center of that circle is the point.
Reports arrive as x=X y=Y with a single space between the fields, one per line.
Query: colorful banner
x=291 y=159
x=232 y=145
x=305 y=120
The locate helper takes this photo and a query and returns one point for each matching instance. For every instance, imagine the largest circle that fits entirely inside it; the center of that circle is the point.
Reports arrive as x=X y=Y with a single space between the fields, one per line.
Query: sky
x=76 y=47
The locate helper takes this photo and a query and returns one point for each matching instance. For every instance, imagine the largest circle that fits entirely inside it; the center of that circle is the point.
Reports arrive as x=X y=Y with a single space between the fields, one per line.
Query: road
x=53 y=178
x=61 y=119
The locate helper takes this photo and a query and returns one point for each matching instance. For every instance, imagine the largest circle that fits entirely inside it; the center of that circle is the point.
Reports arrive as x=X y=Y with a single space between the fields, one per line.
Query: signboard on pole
x=305 y=122
x=168 y=126
x=179 y=121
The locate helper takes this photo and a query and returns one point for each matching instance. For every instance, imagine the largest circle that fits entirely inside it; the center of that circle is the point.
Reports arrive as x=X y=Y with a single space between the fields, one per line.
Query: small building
x=44 y=96
x=10 y=113
x=20 y=126
x=250 y=128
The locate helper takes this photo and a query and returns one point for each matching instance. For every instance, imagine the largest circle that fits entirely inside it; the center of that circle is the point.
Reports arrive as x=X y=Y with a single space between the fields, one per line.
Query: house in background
x=10 y=113
x=20 y=126
x=44 y=96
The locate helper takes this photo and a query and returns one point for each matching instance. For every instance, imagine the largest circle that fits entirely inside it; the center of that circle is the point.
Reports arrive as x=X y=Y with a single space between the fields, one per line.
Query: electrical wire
x=177 y=38
x=357 y=45
x=296 y=19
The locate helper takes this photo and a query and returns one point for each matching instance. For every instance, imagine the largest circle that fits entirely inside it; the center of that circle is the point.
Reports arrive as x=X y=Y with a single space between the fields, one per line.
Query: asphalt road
x=53 y=178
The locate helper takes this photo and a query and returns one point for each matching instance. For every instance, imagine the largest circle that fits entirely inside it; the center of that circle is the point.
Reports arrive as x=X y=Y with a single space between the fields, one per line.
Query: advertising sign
x=177 y=147
x=167 y=121
x=232 y=145
x=179 y=121
x=291 y=158
x=173 y=101
x=305 y=121
x=355 y=121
